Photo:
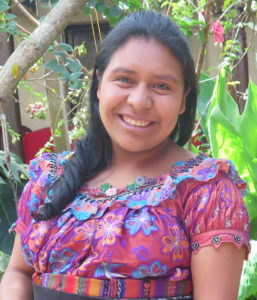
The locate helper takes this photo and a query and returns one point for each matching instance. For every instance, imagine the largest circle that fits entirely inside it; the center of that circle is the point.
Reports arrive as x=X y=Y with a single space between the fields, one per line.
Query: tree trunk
x=33 y=47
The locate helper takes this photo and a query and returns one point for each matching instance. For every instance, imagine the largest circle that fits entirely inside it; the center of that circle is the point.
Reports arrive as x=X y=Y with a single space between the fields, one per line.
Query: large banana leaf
x=235 y=137
x=206 y=87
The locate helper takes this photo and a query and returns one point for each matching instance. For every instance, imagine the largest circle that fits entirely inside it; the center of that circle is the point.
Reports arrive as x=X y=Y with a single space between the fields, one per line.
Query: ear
x=183 y=103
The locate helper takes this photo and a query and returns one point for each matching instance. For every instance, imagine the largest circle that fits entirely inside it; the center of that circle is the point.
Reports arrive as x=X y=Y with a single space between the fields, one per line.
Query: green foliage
x=206 y=87
x=248 y=286
x=234 y=137
x=66 y=64
x=8 y=182
x=7 y=23
x=17 y=167
x=4 y=259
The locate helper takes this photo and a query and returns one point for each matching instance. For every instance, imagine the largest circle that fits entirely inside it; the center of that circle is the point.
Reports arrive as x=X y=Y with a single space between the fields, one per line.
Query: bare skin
x=216 y=272
x=16 y=283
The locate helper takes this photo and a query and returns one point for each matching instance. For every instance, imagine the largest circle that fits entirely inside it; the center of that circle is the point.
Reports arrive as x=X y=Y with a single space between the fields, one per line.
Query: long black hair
x=94 y=152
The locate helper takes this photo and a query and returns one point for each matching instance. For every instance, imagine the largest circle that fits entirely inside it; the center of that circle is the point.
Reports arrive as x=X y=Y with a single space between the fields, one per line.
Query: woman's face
x=141 y=95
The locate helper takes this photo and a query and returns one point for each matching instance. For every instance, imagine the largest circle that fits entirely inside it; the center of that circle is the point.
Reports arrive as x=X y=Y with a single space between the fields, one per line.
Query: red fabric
x=34 y=141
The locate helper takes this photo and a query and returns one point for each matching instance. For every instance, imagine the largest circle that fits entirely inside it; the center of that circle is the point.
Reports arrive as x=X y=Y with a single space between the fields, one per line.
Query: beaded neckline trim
x=142 y=182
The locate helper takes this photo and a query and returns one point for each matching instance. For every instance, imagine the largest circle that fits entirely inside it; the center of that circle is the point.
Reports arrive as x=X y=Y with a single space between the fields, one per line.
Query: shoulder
x=52 y=163
x=203 y=170
x=43 y=171
x=213 y=207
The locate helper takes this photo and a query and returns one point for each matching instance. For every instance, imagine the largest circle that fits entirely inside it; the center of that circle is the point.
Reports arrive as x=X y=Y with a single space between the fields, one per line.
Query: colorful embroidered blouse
x=146 y=230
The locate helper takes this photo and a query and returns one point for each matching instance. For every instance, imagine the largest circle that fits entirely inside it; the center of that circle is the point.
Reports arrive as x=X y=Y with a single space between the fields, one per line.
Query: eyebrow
x=161 y=77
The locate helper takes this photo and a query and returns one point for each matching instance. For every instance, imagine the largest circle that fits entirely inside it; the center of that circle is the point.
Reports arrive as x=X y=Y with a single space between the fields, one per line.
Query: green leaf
x=65 y=76
x=86 y=10
x=59 y=53
x=2 y=181
x=248 y=122
x=51 y=48
x=53 y=65
x=74 y=82
x=115 y=12
x=74 y=66
x=4 y=259
x=91 y=4
x=228 y=141
x=66 y=47
x=3 y=6
x=206 y=87
x=201 y=36
x=9 y=17
x=100 y=6
x=248 y=284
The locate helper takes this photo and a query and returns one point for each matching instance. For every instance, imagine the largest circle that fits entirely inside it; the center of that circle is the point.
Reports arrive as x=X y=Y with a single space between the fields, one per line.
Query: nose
x=140 y=98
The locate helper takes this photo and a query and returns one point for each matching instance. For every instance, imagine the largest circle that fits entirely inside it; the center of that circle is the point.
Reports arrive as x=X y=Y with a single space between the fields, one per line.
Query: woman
x=131 y=214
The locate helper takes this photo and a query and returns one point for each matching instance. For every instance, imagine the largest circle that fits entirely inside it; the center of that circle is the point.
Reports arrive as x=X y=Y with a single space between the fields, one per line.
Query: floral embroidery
x=109 y=228
x=226 y=197
x=180 y=274
x=28 y=255
x=175 y=242
x=61 y=261
x=142 y=253
x=140 y=220
x=87 y=262
x=40 y=230
x=139 y=199
x=154 y=270
x=202 y=199
x=35 y=170
x=85 y=233
x=43 y=261
x=94 y=235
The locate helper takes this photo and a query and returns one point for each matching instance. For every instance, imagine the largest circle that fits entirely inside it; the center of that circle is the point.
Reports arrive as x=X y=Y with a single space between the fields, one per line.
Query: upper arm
x=17 y=261
x=216 y=272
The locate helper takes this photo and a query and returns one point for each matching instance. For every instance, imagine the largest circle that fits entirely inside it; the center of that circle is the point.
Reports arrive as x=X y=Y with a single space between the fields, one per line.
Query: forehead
x=139 y=52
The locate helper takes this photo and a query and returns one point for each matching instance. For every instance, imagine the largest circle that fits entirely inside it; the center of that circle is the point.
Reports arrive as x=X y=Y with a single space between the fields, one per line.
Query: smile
x=138 y=123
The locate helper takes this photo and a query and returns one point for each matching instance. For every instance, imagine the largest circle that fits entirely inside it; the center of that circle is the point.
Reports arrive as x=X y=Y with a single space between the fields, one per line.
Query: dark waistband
x=91 y=288
x=42 y=293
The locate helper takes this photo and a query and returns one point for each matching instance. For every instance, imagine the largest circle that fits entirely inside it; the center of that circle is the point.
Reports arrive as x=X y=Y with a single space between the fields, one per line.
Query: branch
x=22 y=29
x=207 y=29
x=25 y=12
x=33 y=47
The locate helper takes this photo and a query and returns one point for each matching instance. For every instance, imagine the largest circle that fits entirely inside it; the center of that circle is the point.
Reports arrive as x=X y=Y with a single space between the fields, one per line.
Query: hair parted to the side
x=94 y=152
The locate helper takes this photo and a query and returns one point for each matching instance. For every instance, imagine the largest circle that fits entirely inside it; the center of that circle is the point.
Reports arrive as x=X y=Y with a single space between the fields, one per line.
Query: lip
x=135 y=122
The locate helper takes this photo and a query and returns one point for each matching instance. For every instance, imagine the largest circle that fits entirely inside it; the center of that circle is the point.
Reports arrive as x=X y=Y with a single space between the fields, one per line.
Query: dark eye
x=124 y=81
x=162 y=86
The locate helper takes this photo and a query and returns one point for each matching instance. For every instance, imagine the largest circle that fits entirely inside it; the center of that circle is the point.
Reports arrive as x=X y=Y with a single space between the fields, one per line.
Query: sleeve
x=215 y=213
x=41 y=174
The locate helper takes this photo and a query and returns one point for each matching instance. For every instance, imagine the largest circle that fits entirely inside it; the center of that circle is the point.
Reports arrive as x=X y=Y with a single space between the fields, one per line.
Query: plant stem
x=199 y=64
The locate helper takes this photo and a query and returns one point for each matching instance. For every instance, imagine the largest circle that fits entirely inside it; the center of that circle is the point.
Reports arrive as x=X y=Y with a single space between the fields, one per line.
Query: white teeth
x=138 y=123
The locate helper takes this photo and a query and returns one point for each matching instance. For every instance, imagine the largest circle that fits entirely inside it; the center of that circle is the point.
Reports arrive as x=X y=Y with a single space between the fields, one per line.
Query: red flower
x=218 y=31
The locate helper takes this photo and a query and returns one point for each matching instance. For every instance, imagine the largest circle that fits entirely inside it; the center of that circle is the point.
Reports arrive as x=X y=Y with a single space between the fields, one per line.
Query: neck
x=135 y=160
